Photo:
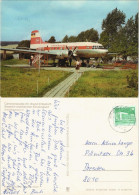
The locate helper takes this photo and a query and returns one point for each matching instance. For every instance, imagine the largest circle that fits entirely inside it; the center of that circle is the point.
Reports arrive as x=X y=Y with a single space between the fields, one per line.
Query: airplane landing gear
x=54 y=63
x=70 y=61
x=62 y=62
x=88 y=63
x=85 y=64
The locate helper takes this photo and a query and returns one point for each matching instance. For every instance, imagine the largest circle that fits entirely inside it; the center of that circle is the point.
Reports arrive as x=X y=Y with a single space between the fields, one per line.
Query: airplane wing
x=30 y=51
x=49 y=53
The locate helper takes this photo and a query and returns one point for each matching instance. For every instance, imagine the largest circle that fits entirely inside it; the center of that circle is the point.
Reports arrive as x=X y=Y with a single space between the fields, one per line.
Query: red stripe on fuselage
x=71 y=47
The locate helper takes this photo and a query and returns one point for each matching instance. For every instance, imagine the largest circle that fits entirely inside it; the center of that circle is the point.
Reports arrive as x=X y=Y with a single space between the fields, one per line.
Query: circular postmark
x=122 y=118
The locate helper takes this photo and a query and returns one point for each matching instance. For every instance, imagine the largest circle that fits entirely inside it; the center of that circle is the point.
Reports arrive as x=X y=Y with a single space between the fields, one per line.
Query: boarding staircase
x=36 y=59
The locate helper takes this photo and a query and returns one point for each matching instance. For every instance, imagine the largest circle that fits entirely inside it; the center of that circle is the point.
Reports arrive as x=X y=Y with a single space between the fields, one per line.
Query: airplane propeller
x=70 y=52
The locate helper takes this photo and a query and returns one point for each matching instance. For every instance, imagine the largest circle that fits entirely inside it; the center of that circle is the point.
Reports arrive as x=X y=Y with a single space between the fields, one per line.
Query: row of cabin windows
x=32 y=34
x=55 y=48
x=62 y=48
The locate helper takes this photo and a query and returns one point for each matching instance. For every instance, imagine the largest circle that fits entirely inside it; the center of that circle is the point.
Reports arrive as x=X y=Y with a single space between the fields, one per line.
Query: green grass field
x=104 y=84
x=26 y=61
x=14 y=62
x=9 y=46
x=25 y=82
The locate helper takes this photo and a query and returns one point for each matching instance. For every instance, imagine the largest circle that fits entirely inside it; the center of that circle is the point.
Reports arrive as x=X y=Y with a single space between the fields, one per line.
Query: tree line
x=117 y=35
x=90 y=35
x=120 y=36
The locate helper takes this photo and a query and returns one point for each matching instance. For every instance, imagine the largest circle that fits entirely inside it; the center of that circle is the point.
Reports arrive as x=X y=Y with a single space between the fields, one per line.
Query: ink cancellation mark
x=122 y=118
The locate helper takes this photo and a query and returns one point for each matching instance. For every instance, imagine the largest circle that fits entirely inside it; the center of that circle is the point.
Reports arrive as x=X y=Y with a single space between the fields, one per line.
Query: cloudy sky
x=57 y=17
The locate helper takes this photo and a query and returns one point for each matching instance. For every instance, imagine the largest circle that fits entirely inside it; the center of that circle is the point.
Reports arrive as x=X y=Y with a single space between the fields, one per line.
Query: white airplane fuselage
x=61 y=50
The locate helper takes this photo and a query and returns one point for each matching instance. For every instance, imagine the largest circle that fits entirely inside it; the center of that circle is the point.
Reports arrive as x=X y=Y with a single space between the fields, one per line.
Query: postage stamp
x=122 y=118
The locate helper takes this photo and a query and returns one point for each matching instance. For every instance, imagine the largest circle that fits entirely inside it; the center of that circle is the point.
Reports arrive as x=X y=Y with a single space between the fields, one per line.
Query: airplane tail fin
x=36 y=39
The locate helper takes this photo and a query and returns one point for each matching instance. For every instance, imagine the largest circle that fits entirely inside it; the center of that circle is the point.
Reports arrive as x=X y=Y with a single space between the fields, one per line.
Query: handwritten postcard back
x=82 y=146
x=69 y=146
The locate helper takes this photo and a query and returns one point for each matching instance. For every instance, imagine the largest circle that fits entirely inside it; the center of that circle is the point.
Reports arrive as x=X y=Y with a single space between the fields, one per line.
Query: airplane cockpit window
x=101 y=47
x=97 y=47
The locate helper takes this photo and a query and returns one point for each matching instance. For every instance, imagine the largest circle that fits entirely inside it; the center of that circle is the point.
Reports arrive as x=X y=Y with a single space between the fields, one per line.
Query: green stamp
x=124 y=116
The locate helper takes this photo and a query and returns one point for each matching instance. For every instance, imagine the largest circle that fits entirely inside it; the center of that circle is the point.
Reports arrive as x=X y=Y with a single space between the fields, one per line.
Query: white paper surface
x=67 y=146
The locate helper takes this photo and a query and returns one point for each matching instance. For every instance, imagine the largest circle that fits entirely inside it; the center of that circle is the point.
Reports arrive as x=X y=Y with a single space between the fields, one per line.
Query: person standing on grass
x=31 y=59
x=77 y=65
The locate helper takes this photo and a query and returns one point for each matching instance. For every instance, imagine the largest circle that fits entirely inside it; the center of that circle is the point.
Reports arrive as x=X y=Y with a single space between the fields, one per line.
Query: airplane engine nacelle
x=62 y=54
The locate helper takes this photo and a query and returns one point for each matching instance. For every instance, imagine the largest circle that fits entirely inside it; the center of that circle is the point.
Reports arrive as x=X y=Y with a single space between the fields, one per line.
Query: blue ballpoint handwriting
x=33 y=150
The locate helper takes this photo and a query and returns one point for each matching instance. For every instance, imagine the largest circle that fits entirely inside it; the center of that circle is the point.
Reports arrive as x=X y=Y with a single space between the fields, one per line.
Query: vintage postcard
x=69 y=48
x=69 y=97
x=89 y=146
